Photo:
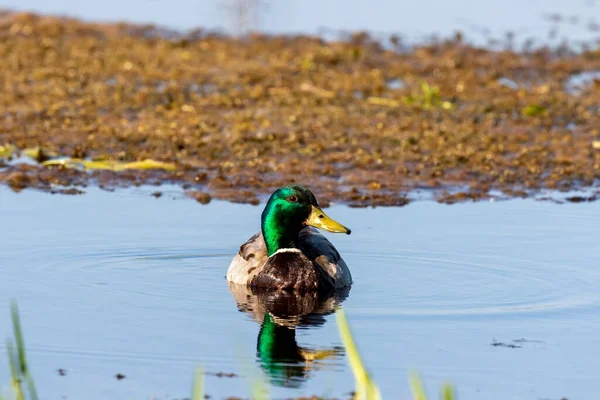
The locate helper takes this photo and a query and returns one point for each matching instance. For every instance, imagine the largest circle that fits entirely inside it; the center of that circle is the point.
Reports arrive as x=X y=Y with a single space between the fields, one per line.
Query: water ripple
x=459 y=284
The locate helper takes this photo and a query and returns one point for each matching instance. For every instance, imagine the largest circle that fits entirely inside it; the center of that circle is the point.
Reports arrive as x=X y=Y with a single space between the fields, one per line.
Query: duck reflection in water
x=280 y=313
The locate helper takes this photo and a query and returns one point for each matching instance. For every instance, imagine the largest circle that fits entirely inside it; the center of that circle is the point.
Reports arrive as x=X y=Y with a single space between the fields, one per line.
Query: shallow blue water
x=125 y=283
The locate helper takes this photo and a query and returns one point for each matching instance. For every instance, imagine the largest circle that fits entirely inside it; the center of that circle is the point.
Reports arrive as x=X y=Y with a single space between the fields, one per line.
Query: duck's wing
x=321 y=252
x=248 y=261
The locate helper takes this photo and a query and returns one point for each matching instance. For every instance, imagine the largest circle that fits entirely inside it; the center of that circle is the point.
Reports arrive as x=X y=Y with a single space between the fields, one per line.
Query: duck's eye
x=292 y=199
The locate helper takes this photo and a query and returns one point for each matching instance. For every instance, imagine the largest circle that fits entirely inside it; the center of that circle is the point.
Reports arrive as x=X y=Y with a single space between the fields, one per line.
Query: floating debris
x=222 y=374
x=7 y=151
x=39 y=154
x=533 y=110
x=200 y=197
x=508 y=345
x=109 y=165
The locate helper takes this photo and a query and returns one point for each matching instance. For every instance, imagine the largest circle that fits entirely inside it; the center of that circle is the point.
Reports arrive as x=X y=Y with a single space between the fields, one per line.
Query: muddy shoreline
x=357 y=121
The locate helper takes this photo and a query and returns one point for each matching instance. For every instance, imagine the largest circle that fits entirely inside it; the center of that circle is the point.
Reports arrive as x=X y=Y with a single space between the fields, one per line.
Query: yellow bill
x=319 y=219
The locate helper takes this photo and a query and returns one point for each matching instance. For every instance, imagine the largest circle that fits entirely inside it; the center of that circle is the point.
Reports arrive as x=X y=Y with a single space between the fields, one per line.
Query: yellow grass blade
x=110 y=165
x=418 y=390
x=198 y=389
x=38 y=153
x=366 y=388
x=416 y=386
x=448 y=392
x=7 y=150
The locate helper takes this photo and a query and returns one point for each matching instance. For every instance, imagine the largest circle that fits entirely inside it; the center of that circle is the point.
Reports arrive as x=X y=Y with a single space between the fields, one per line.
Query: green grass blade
x=14 y=311
x=31 y=386
x=366 y=388
x=12 y=360
x=18 y=357
x=198 y=389
x=448 y=392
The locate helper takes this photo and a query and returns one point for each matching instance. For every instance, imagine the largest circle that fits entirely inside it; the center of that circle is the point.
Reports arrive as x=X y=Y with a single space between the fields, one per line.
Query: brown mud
x=358 y=121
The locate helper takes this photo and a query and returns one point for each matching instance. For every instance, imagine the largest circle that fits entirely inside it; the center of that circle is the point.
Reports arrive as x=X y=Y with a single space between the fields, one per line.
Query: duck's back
x=290 y=270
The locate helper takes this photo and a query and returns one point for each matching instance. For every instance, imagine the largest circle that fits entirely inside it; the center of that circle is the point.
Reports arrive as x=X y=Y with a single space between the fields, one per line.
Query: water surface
x=125 y=283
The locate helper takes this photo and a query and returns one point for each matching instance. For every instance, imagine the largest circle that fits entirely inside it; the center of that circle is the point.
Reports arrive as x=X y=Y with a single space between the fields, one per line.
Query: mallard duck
x=289 y=253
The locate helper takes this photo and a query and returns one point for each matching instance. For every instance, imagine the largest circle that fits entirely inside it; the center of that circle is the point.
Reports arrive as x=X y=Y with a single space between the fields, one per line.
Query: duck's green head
x=290 y=209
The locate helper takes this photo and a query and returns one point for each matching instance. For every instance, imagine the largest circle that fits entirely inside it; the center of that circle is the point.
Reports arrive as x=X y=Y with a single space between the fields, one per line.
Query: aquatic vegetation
x=7 y=151
x=39 y=154
x=533 y=110
x=428 y=98
x=366 y=388
x=418 y=390
x=21 y=379
x=51 y=159
x=239 y=117
x=198 y=387
x=260 y=390
x=109 y=164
